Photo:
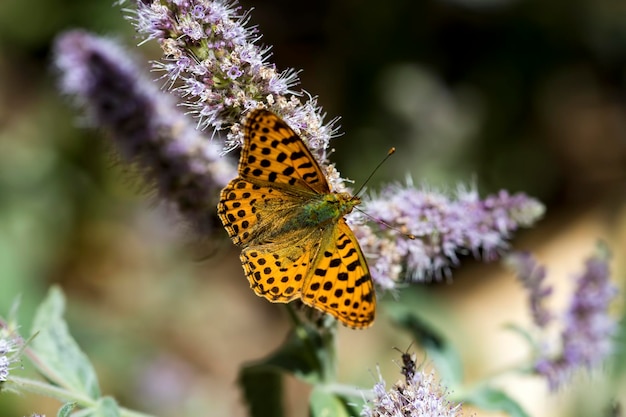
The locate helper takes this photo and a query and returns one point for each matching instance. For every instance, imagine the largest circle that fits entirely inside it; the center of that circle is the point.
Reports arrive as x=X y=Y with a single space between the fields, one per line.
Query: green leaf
x=328 y=404
x=107 y=407
x=58 y=356
x=66 y=410
x=438 y=349
x=491 y=399
x=302 y=355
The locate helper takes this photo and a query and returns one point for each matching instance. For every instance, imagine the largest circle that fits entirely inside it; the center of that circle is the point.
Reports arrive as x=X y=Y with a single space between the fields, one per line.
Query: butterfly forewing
x=250 y=212
x=273 y=153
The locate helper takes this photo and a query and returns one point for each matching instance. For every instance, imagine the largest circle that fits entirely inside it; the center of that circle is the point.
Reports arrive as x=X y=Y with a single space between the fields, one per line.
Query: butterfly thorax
x=325 y=209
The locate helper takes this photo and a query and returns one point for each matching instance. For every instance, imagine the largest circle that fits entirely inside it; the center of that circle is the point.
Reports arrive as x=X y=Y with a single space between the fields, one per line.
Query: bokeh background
x=525 y=95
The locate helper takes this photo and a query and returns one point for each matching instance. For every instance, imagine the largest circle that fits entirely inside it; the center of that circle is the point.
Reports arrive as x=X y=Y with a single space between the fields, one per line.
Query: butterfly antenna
x=391 y=151
x=384 y=223
x=380 y=221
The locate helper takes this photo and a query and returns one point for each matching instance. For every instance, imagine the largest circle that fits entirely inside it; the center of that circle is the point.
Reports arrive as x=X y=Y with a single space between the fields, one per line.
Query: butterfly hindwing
x=273 y=153
x=277 y=275
x=339 y=281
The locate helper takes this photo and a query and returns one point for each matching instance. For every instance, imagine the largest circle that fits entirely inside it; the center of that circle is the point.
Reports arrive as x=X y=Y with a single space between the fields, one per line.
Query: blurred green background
x=523 y=95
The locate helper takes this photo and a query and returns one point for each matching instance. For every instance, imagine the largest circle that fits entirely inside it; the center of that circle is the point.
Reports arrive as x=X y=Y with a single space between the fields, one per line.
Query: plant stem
x=64 y=395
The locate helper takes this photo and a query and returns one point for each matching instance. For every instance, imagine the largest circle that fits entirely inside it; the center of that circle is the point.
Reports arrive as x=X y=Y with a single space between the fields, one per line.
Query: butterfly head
x=345 y=202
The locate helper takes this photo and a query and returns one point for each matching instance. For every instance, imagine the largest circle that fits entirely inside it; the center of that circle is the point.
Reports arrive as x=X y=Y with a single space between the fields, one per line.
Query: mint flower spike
x=211 y=59
x=532 y=276
x=444 y=227
x=5 y=361
x=144 y=124
x=10 y=351
x=587 y=336
x=418 y=395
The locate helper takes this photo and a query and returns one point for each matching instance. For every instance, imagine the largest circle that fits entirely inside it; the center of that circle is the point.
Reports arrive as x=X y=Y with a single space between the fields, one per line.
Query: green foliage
x=66 y=409
x=305 y=354
x=106 y=407
x=492 y=399
x=324 y=403
x=64 y=362
x=70 y=375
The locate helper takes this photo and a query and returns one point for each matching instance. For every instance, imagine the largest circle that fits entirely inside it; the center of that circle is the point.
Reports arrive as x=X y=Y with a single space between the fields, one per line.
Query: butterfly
x=295 y=241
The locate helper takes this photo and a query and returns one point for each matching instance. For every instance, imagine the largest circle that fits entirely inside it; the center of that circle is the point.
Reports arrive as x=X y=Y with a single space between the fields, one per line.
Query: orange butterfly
x=296 y=243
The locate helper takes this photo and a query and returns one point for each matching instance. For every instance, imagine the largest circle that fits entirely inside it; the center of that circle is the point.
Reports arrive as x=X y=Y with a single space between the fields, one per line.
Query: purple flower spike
x=144 y=124
x=444 y=228
x=586 y=339
x=532 y=277
x=212 y=61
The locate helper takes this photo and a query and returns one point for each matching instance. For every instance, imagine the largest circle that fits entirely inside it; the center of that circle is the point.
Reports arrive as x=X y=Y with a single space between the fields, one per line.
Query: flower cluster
x=443 y=228
x=212 y=60
x=418 y=395
x=145 y=125
x=586 y=337
x=9 y=352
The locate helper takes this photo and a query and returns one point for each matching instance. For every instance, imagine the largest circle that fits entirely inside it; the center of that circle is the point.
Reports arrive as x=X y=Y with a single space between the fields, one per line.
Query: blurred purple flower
x=586 y=339
x=144 y=124
x=444 y=228
x=418 y=395
x=532 y=277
